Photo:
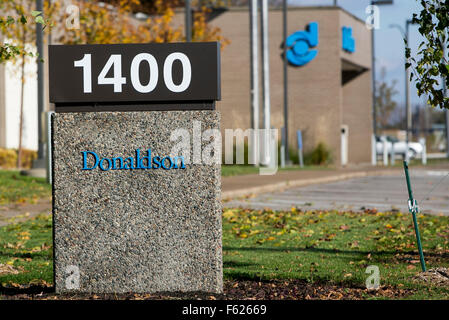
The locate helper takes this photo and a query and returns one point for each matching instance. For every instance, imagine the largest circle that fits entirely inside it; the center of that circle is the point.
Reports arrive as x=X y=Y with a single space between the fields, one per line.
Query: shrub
x=28 y=156
x=8 y=158
x=319 y=156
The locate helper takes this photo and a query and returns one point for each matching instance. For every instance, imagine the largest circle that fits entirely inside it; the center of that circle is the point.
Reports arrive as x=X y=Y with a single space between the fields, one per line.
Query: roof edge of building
x=290 y=8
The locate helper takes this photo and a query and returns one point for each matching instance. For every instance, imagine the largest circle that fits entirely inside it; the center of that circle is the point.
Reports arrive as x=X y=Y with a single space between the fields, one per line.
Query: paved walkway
x=23 y=211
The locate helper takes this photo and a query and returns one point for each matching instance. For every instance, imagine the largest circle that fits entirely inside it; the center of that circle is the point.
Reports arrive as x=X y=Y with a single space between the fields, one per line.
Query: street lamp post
x=373 y=63
x=188 y=21
x=284 y=34
x=265 y=79
x=405 y=35
x=407 y=89
x=254 y=56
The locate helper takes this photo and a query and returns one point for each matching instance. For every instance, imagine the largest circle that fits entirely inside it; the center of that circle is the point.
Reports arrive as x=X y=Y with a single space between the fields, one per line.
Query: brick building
x=330 y=92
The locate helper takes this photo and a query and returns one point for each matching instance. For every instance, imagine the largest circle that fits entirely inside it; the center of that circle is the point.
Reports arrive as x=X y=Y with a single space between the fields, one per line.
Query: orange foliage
x=201 y=31
x=108 y=24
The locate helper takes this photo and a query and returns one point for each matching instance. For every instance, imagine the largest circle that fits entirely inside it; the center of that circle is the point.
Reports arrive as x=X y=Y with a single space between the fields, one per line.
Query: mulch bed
x=233 y=290
x=437 y=277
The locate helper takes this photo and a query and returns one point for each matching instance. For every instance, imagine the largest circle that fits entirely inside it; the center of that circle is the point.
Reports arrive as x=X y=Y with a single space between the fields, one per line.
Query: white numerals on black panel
x=146 y=85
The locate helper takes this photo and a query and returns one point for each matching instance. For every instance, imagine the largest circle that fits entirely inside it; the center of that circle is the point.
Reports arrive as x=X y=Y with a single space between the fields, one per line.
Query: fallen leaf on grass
x=7 y=269
x=354 y=244
x=228 y=214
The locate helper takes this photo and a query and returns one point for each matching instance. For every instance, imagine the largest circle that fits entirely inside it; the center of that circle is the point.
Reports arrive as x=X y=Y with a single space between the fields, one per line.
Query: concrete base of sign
x=121 y=227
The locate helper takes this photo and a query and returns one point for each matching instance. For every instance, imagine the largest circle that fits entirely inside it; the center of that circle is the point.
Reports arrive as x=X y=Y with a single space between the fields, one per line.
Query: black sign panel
x=83 y=75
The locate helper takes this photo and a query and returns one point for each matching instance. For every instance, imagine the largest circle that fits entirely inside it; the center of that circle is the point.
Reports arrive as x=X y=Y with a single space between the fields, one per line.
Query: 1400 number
x=115 y=62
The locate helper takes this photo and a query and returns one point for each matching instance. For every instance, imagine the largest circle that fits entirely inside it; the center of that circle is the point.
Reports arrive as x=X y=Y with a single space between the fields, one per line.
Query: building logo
x=299 y=44
x=348 y=41
x=92 y=160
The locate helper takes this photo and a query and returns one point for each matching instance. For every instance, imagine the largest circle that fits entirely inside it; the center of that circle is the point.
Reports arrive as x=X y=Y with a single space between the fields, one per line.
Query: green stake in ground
x=413 y=208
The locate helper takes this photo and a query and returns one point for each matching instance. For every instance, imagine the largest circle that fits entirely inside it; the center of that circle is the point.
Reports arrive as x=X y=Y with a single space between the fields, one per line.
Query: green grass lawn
x=240 y=169
x=28 y=248
x=331 y=247
x=17 y=188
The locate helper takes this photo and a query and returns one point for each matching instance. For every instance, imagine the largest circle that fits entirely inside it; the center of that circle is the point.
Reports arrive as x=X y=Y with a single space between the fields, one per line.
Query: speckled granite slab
x=136 y=230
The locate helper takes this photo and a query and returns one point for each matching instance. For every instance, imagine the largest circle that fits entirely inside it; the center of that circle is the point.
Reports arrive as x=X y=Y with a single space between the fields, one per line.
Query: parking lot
x=384 y=193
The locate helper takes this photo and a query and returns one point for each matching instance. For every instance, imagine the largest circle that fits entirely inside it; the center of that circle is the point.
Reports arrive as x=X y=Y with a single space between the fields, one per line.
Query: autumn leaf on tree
x=114 y=22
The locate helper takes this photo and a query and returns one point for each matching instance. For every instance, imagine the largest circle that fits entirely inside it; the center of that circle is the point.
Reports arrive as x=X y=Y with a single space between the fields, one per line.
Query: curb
x=280 y=186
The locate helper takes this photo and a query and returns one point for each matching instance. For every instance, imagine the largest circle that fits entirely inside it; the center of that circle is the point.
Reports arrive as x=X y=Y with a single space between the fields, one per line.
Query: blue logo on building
x=348 y=40
x=299 y=44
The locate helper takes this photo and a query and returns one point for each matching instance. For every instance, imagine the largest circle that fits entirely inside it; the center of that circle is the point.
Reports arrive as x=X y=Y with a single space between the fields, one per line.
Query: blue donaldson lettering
x=91 y=161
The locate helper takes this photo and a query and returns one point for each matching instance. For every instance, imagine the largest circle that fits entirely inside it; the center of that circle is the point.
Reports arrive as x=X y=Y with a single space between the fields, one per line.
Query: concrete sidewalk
x=23 y=211
x=245 y=185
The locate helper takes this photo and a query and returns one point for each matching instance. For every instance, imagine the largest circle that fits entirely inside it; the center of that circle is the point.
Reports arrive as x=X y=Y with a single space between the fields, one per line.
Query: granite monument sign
x=131 y=212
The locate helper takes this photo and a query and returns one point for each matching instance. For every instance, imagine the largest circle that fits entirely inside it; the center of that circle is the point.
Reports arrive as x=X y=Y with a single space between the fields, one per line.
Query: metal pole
x=373 y=75
x=385 y=150
x=188 y=22
x=392 y=155
x=282 y=147
x=265 y=78
x=284 y=14
x=373 y=63
x=413 y=208
x=407 y=99
x=40 y=87
x=254 y=53
x=265 y=68
x=49 y=151
x=407 y=90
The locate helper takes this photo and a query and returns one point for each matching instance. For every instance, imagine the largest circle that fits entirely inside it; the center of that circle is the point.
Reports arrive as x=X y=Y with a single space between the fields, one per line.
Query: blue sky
x=389 y=45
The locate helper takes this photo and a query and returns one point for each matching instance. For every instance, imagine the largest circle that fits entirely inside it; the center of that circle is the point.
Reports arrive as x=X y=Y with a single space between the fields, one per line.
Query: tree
x=19 y=35
x=384 y=103
x=114 y=23
x=9 y=50
x=431 y=68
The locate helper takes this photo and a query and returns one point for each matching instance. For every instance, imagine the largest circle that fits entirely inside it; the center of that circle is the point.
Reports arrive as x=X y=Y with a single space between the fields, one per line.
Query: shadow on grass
x=333 y=251
x=384 y=256
x=234 y=264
